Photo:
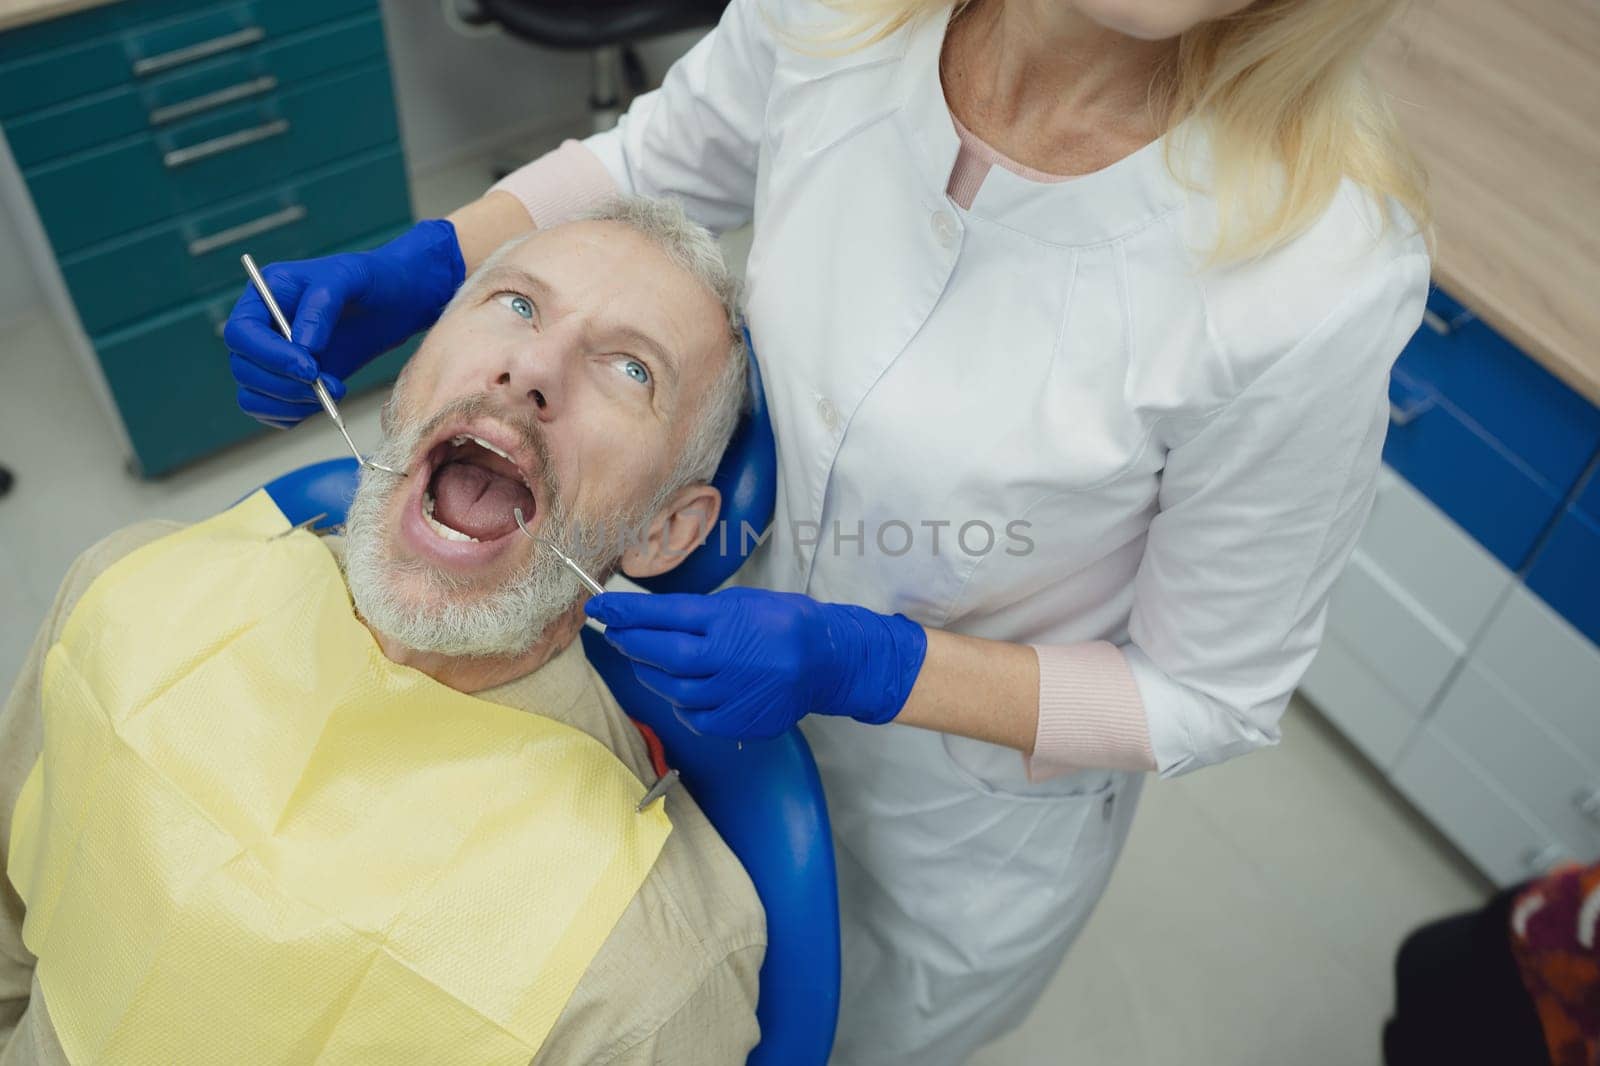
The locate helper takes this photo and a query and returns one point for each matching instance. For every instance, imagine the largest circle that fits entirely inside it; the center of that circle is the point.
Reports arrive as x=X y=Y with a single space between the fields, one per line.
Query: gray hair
x=694 y=249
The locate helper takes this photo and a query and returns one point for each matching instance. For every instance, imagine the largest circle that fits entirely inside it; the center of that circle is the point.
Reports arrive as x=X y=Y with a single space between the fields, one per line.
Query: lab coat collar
x=1092 y=209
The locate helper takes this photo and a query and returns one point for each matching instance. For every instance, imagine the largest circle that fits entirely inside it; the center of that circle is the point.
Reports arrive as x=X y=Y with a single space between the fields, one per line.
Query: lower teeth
x=439 y=527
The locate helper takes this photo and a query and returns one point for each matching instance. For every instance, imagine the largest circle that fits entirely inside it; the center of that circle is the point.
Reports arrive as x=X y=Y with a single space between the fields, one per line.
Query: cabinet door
x=1566 y=572
x=1355 y=698
x=1543 y=771
x=1490 y=826
x=1551 y=668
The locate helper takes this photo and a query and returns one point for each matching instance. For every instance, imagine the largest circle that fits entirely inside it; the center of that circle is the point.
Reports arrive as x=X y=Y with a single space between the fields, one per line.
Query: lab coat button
x=945 y=227
x=828 y=413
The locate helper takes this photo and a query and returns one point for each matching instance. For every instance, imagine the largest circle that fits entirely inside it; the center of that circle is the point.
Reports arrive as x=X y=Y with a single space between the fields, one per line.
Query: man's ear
x=680 y=527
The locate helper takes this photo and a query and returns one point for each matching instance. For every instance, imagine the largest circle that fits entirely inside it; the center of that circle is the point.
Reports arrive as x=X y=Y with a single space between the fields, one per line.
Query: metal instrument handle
x=193 y=106
x=265 y=224
x=189 y=53
x=179 y=157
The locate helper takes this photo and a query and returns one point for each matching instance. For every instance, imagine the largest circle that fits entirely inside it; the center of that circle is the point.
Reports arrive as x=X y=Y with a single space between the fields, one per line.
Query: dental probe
x=572 y=564
x=321 y=390
x=671 y=778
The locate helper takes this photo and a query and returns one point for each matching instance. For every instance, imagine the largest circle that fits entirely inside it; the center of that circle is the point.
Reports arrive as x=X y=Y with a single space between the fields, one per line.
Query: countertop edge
x=31 y=11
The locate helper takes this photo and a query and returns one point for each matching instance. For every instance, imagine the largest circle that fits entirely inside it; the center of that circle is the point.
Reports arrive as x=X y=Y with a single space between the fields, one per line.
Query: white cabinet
x=1553 y=670
x=1480 y=702
x=1400 y=620
x=1484 y=821
x=1355 y=699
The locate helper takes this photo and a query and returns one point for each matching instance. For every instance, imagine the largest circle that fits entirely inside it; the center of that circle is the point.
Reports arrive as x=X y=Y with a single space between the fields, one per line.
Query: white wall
x=458 y=95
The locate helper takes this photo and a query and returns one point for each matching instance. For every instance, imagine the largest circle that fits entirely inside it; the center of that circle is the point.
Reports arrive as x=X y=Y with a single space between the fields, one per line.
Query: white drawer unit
x=1389 y=631
x=1438 y=565
x=1483 y=820
x=1553 y=669
x=1356 y=700
x=1487 y=724
x=1476 y=699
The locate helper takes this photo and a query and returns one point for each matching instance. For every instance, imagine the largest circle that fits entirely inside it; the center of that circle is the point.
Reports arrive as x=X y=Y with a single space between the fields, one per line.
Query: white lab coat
x=1192 y=449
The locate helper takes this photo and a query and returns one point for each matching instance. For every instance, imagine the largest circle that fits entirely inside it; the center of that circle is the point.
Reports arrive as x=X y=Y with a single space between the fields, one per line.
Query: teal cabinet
x=195 y=89
x=159 y=139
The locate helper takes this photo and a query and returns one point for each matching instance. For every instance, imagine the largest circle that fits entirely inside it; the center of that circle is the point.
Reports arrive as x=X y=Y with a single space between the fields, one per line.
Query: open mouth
x=470 y=481
x=473 y=489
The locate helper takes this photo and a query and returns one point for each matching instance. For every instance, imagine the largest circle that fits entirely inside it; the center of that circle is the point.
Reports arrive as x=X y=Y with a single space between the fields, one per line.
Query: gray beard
x=428 y=610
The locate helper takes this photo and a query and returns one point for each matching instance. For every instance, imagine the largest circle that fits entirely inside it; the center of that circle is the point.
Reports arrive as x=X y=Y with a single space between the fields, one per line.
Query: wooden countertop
x=1502 y=100
x=14 y=13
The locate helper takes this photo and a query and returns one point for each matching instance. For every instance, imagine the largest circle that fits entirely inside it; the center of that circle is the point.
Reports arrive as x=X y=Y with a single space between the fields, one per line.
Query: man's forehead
x=555 y=264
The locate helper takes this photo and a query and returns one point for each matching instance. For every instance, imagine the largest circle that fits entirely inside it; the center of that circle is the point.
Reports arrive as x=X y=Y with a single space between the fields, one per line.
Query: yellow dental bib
x=251 y=838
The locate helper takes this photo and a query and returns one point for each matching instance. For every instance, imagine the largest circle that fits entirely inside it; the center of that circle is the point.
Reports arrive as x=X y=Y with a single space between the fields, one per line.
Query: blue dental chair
x=764 y=798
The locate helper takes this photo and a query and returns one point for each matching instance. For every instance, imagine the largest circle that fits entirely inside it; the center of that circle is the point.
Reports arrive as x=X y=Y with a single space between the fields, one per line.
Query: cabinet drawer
x=161 y=101
x=1493 y=830
x=1391 y=634
x=1473 y=478
x=1589 y=498
x=169 y=376
x=28 y=41
x=235 y=150
x=1356 y=700
x=39 y=70
x=158 y=268
x=1430 y=557
x=1553 y=670
x=172 y=384
x=1566 y=572
x=1512 y=400
x=1486 y=724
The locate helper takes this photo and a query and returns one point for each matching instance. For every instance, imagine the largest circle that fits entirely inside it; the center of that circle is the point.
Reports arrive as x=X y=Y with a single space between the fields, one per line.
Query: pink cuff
x=560 y=185
x=1090 y=713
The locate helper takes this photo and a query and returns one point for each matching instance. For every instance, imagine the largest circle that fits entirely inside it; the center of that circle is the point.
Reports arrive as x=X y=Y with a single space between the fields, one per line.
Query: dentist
x=1075 y=319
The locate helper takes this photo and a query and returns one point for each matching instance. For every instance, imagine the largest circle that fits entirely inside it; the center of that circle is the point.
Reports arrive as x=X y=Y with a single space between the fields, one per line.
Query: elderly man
x=270 y=797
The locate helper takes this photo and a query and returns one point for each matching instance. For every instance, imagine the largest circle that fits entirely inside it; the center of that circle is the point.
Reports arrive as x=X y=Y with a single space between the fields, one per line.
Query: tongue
x=478 y=502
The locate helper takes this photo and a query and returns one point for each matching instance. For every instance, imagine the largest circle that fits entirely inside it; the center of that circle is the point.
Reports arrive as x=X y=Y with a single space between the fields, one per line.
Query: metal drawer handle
x=265 y=224
x=227 y=143
x=1412 y=403
x=254 y=87
x=1538 y=860
x=1437 y=322
x=1445 y=326
x=189 y=53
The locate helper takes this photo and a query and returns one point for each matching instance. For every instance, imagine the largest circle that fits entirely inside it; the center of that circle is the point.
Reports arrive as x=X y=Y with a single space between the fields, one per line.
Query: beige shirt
x=674 y=983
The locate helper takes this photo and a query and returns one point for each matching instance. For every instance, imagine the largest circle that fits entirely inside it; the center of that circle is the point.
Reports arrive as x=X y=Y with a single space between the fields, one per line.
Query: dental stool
x=764 y=798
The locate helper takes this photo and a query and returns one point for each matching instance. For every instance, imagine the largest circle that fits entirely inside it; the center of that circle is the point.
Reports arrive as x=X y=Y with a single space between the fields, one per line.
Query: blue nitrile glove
x=346 y=310
x=748 y=663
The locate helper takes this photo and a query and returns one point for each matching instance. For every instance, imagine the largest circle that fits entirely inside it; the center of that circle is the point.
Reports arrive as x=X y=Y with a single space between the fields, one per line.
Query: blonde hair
x=1284 y=98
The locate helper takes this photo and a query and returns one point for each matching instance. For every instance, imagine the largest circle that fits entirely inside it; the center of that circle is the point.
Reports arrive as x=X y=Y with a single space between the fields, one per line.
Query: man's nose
x=534 y=375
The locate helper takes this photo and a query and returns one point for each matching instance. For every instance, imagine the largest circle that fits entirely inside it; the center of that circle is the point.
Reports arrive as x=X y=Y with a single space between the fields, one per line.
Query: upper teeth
x=439 y=527
x=463 y=438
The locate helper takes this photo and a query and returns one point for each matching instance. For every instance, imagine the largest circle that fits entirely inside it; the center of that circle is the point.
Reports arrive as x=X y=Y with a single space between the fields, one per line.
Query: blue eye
x=520 y=304
x=636 y=370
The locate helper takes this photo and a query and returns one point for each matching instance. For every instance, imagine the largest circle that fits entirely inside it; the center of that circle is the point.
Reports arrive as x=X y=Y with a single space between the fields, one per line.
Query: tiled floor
x=1253 y=918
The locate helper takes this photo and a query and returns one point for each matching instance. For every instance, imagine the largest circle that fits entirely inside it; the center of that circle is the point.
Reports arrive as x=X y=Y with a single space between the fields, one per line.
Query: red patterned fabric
x=1553 y=938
